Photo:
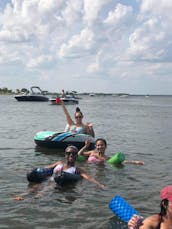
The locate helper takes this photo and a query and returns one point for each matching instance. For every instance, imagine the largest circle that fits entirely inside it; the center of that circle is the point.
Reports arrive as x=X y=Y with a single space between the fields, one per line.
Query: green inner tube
x=118 y=158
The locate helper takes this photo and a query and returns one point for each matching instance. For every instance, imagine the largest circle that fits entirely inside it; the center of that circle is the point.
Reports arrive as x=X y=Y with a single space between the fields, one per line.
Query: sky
x=106 y=46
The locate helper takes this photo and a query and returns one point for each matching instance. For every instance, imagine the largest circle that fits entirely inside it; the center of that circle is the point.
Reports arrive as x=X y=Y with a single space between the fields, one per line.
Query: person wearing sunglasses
x=78 y=126
x=71 y=154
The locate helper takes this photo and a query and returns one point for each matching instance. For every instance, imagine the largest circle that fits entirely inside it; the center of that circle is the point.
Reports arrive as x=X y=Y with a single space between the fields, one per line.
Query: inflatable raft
x=50 y=139
x=67 y=178
x=38 y=175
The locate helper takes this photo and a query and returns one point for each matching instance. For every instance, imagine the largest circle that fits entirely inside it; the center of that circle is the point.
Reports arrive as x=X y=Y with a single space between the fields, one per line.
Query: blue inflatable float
x=67 y=178
x=121 y=208
x=38 y=175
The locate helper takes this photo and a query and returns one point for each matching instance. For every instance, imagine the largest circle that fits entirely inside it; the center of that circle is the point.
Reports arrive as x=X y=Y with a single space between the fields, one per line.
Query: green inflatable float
x=118 y=158
x=81 y=158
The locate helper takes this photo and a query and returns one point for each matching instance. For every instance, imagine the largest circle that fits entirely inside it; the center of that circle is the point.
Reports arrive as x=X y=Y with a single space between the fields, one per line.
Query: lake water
x=138 y=126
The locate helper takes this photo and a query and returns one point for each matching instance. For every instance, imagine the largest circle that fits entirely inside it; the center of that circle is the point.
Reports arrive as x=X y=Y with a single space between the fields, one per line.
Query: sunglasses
x=74 y=154
x=78 y=117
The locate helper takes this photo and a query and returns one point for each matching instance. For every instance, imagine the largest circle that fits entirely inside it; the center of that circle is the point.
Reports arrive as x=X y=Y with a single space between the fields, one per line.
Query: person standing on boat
x=63 y=94
x=78 y=126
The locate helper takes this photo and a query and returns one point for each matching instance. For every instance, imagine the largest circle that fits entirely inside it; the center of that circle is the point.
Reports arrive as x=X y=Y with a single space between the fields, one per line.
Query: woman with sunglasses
x=71 y=153
x=78 y=126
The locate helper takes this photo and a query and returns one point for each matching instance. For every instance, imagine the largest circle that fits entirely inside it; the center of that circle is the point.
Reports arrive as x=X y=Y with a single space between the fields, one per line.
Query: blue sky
x=89 y=46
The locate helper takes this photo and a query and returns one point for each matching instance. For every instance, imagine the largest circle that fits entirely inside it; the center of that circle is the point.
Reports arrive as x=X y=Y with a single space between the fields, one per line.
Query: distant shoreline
x=98 y=94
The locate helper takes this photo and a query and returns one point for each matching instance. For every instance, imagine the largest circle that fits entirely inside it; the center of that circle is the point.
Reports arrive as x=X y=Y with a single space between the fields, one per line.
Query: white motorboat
x=68 y=100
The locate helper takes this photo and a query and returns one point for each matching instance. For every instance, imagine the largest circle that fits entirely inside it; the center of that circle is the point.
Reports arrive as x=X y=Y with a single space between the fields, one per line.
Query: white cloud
x=39 y=61
x=104 y=39
x=120 y=14
x=95 y=66
x=72 y=12
x=151 y=40
x=163 y=8
x=91 y=10
x=78 y=43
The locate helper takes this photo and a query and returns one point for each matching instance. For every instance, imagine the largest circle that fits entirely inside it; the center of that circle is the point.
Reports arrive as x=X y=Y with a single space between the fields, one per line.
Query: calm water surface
x=139 y=127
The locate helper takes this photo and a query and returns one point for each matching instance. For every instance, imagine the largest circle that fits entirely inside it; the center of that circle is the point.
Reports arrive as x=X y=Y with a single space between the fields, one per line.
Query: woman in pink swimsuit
x=97 y=155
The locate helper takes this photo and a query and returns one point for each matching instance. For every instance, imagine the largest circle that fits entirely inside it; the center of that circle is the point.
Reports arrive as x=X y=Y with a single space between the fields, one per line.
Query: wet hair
x=163 y=206
x=74 y=148
x=101 y=139
x=79 y=111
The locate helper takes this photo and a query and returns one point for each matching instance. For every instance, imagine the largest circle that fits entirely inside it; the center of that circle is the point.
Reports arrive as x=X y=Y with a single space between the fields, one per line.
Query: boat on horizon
x=35 y=94
x=68 y=100
x=91 y=94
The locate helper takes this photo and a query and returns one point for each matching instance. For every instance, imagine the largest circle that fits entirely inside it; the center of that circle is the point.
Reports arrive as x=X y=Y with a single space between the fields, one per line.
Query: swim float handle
x=81 y=158
x=118 y=158
x=65 y=178
x=121 y=208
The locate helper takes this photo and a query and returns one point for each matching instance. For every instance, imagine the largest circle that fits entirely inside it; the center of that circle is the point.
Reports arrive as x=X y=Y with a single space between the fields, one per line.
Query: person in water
x=71 y=153
x=98 y=154
x=78 y=126
x=162 y=220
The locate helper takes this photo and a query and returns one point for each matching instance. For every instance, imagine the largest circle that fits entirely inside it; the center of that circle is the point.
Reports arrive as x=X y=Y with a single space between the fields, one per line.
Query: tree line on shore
x=5 y=90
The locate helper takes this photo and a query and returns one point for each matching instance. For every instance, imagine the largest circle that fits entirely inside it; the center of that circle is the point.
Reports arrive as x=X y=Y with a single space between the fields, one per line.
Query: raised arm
x=68 y=118
x=83 y=151
x=134 y=162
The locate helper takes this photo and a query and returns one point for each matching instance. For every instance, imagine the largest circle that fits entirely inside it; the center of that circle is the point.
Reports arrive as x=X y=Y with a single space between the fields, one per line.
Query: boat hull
x=33 y=98
x=35 y=94
x=50 y=139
